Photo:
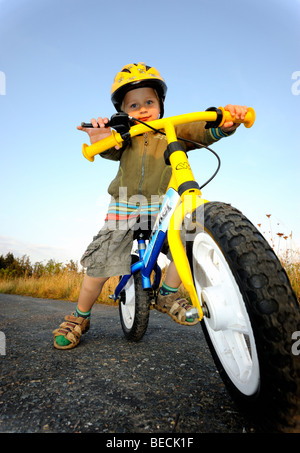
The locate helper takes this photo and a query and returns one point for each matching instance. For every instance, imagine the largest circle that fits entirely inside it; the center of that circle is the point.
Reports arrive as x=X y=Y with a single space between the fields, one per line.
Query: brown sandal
x=175 y=307
x=71 y=330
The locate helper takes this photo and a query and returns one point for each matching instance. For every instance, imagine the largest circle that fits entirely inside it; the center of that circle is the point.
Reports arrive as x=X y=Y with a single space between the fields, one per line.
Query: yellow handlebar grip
x=250 y=117
x=85 y=148
x=248 y=121
x=89 y=151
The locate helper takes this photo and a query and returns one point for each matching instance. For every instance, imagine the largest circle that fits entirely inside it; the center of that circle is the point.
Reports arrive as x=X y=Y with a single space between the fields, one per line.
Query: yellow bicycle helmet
x=137 y=76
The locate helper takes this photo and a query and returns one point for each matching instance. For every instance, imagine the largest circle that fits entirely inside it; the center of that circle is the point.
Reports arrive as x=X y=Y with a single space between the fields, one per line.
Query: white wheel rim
x=128 y=308
x=229 y=326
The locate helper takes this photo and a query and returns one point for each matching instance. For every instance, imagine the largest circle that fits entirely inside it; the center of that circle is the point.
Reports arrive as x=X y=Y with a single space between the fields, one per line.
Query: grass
x=292 y=267
x=65 y=285
x=284 y=247
x=51 y=280
x=61 y=286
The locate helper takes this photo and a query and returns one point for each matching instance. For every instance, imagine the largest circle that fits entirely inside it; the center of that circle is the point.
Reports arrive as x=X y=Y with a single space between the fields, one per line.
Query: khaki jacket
x=142 y=168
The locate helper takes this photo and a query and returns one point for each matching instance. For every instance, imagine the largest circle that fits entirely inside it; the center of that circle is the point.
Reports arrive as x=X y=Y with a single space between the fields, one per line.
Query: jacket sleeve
x=196 y=131
x=112 y=153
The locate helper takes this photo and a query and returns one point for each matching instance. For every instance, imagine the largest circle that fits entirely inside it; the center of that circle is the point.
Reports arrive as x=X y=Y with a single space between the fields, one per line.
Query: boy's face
x=142 y=103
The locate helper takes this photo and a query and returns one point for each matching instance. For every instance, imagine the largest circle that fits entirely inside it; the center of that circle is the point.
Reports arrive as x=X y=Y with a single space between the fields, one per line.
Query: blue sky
x=57 y=63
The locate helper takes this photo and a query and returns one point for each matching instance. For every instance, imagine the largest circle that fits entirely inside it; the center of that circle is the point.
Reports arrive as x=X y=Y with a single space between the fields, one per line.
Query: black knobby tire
x=271 y=308
x=134 y=307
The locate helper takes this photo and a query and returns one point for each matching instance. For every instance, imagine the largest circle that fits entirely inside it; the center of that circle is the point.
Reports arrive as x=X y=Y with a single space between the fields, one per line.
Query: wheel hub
x=219 y=313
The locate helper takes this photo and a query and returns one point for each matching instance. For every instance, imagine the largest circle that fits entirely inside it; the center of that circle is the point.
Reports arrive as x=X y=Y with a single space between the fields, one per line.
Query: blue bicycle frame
x=148 y=255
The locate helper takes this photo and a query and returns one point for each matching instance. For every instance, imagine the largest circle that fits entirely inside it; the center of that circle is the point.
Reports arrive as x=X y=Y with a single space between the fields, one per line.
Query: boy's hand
x=98 y=131
x=235 y=110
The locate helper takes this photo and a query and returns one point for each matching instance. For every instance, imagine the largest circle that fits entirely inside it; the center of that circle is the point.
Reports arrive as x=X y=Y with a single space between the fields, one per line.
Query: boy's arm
x=196 y=131
x=113 y=153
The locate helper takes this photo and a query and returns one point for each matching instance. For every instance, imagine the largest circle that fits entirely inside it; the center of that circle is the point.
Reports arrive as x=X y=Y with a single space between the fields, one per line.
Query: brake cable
x=196 y=144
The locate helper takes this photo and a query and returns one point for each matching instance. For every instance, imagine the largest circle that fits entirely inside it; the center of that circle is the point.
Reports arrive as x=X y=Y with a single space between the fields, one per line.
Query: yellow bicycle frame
x=181 y=173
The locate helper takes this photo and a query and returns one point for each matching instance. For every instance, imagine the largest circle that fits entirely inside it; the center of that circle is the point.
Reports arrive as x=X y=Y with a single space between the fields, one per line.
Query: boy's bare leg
x=172 y=278
x=90 y=291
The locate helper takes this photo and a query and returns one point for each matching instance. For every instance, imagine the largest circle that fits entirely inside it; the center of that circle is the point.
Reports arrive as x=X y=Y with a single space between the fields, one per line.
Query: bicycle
x=237 y=286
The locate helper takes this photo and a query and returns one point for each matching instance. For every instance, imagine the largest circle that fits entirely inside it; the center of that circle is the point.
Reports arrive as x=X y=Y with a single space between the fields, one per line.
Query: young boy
x=140 y=91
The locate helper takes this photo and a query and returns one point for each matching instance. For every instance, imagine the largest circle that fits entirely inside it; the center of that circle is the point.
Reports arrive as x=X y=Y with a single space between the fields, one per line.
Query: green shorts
x=109 y=254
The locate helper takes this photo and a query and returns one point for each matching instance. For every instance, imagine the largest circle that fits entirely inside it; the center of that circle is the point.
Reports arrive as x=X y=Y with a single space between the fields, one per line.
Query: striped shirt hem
x=125 y=211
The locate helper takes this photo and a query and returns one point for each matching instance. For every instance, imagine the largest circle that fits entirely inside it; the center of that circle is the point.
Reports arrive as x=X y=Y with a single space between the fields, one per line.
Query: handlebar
x=217 y=117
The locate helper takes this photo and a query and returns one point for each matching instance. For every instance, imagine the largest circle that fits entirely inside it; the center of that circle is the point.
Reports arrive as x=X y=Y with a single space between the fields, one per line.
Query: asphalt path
x=166 y=383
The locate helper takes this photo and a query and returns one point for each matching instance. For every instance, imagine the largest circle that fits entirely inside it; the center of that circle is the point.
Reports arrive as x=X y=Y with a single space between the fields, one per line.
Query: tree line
x=14 y=267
